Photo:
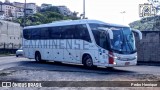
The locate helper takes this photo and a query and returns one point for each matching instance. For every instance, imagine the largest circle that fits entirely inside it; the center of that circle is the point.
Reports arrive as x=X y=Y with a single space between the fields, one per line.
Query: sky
x=104 y=10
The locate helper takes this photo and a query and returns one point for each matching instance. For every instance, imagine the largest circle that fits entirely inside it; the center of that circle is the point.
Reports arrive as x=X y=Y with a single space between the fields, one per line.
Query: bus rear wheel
x=37 y=57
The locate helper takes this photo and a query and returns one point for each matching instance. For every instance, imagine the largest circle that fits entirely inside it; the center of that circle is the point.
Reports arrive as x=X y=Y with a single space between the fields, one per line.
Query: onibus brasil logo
x=146 y=10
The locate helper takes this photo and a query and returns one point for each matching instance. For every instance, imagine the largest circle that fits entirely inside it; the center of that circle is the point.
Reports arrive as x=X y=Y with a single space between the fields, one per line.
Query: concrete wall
x=149 y=47
x=10 y=34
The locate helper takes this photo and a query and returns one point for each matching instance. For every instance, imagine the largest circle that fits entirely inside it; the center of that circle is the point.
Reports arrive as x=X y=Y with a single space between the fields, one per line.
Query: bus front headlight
x=135 y=57
x=114 y=63
x=115 y=57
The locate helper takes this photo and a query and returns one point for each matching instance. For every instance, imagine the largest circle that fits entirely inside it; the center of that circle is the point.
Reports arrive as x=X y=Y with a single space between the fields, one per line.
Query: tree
x=156 y=4
x=46 y=15
x=147 y=24
x=43 y=18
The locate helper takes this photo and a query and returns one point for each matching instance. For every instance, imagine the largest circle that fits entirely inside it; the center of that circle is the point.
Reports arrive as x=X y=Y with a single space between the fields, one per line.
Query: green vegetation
x=147 y=24
x=44 y=16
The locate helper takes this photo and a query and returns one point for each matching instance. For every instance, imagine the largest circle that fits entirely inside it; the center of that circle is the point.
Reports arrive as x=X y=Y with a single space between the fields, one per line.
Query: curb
x=149 y=63
x=7 y=55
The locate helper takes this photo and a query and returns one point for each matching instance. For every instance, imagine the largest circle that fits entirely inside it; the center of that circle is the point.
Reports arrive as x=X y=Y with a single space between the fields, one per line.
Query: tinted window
x=44 y=33
x=96 y=34
x=26 y=34
x=59 y=32
x=55 y=32
x=35 y=33
x=101 y=36
x=68 y=32
x=82 y=33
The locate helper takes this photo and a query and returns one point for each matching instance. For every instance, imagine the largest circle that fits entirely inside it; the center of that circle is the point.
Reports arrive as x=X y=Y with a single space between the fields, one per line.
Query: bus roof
x=73 y=22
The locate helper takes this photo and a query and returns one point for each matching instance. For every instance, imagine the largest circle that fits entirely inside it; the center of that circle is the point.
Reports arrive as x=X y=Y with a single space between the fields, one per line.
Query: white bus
x=87 y=42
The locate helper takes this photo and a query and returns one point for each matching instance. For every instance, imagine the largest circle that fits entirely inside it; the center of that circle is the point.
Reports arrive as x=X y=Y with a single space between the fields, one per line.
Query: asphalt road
x=20 y=63
x=23 y=69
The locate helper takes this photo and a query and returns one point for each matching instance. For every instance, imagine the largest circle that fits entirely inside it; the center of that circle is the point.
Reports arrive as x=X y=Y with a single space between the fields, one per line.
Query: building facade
x=19 y=9
x=18 y=4
x=8 y=9
x=2 y=15
x=19 y=12
x=32 y=6
x=16 y=9
x=65 y=11
x=44 y=6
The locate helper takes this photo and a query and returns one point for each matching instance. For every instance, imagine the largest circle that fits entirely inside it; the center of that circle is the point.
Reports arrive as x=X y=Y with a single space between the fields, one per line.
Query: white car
x=19 y=52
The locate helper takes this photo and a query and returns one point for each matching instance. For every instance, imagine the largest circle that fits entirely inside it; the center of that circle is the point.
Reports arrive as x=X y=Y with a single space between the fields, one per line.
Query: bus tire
x=38 y=57
x=87 y=61
x=57 y=62
x=110 y=68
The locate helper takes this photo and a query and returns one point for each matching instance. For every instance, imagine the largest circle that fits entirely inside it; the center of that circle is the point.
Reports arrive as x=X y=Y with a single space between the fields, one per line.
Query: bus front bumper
x=120 y=63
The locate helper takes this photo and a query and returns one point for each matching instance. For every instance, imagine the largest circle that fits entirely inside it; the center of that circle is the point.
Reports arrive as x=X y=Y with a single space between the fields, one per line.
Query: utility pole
x=24 y=19
x=84 y=9
x=123 y=15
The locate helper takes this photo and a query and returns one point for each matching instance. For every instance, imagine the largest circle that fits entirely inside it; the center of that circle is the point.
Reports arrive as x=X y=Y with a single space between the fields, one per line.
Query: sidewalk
x=5 y=55
x=149 y=63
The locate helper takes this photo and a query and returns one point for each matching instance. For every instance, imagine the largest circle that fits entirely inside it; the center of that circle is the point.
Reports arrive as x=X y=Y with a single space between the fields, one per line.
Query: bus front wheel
x=110 y=68
x=87 y=61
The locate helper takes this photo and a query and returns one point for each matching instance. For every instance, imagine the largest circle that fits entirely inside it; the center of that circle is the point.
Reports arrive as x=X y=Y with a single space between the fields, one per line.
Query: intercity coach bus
x=87 y=42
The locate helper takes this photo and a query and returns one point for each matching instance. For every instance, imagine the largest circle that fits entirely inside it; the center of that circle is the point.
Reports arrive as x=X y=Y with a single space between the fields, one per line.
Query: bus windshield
x=123 y=40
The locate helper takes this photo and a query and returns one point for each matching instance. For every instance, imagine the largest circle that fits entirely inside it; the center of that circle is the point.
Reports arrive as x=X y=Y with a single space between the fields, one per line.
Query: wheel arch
x=37 y=52
x=84 y=55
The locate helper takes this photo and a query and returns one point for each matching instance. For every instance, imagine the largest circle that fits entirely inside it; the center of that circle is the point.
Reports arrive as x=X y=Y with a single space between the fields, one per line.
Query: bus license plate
x=127 y=63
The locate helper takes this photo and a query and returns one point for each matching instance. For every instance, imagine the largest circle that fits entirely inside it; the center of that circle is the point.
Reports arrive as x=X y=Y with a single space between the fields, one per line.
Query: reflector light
x=111 y=58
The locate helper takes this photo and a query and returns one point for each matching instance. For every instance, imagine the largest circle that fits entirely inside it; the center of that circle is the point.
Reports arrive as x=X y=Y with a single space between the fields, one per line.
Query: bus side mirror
x=138 y=32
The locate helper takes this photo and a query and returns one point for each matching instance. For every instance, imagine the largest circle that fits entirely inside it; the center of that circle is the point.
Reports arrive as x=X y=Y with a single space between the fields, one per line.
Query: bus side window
x=55 y=32
x=26 y=33
x=82 y=33
x=96 y=34
x=36 y=34
x=68 y=32
x=44 y=33
x=29 y=34
x=64 y=33
x=101 y=39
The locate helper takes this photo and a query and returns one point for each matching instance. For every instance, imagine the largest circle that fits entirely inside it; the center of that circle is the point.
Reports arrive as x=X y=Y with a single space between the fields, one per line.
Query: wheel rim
x=89 y=62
